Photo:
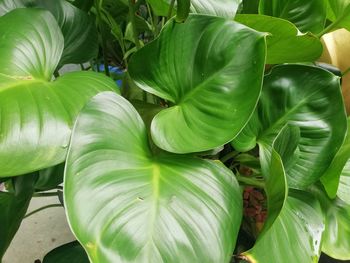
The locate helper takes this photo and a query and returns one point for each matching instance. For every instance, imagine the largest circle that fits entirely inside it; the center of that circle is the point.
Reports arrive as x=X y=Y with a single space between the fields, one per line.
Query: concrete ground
x=39 y=233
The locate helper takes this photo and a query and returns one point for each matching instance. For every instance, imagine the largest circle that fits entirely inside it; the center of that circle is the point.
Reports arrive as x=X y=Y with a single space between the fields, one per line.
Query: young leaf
x=13 y=207
x=204 y=67
x=335 y=239
x=285 y=43
x=146 y=208
x=36 y=114
x=308 y=98
x=295 y=235
x=306 y=15
x=289 y=212
x=332 y=175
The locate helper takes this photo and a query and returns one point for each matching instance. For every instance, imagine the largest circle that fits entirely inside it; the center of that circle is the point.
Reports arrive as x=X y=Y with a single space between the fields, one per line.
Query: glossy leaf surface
x=211 y=70
x=339 y=14
x=332 y=175
x=308 y=98
x=295 y=235
x=13 y=207
x=71 y=252
x=285 y=43
x=146 y=208
x=287 y=225
x=223 y=8
x=37 y=115
x=335 y=239
x=79 y=32
x=306 y=15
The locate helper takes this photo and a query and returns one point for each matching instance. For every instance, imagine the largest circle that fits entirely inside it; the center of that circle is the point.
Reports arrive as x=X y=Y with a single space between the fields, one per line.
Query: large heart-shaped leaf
x=146 y=208
x=71 y=252
x=223 y=8
x=37 y=115
x=285 y=44
x=332 y=175
x=306 y=15
x=79 y=32
x=210 y=69
x=335 y=239
x=308 y=98
x=13 y=206
x=339 y=14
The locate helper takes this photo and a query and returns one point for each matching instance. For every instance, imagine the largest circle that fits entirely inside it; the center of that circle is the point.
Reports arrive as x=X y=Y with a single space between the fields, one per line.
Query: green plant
x=214 y=124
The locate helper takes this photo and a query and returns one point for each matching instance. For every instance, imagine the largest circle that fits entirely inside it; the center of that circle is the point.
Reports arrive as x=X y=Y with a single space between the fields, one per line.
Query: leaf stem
x=42 y=208
x=250 y=181
x=229 y=156
x=172 y=3
x=332 y=26
x=98 y=6
x=345 y=72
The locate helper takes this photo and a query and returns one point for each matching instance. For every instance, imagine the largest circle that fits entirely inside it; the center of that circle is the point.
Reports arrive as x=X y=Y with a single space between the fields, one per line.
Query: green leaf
x=37 y=115
x=306 y=15
x=250 y=6
x=183 y=9
x=339 y=14
x=146 y=208
x=50 y=178
x=285 y=44
x=83 y=4
x=275 y=183
x=343 y=191
x=288 y=213
x=295 y=235
x=78 y=29
x=13 y=207
x=331 y=177
x=223 y=8
x=71 y=252
x=203 y=67
x=308 y=98
x=79 y=32
x=32 y=55
x=335 y=239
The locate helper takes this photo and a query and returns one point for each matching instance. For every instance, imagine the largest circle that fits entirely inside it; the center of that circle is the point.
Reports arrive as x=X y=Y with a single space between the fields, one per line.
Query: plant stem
x=45 y=194
x=250 y=181
x=331 y=27
x=172 y=3
x=229 y=156
x=133 y=24
x=98 y=6
x=41 y=208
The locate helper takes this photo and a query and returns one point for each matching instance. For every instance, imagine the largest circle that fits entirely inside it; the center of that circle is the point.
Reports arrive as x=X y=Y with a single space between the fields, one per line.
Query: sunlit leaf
x=210 y=69
x=308 y=98
x=285 y=43
x=147 y=208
